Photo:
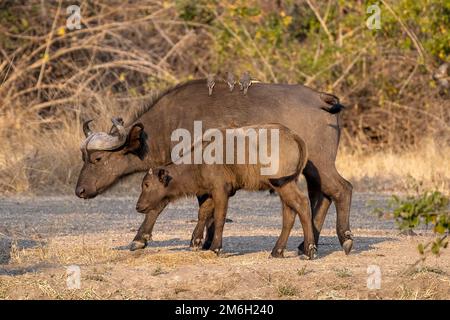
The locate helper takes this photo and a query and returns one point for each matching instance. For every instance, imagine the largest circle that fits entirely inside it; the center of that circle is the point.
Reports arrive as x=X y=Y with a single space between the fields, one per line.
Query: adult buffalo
x=148 y=143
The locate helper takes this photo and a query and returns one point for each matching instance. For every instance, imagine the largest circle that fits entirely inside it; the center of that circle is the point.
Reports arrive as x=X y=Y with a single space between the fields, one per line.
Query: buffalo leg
x=144 y=233
x=322 y=206
x=318 y=217
x=220 y=210
x=333 y=187
x=205 y=213
x=315 y=195
x=340 y=191
x=288 y=223
x=320 y=203
x=209 y=231
x=295 y=199
x=314 y=192
x=300 y=204
x=210 y=222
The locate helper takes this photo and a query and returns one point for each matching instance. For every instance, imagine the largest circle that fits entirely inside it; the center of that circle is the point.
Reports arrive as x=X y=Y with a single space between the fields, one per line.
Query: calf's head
x=155 y=189
x=108 y=156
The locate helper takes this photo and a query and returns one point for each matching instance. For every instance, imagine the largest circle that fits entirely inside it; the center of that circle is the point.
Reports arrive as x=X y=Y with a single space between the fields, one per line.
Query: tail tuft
x=333 y=103
x=334 y=108
x=279 y=182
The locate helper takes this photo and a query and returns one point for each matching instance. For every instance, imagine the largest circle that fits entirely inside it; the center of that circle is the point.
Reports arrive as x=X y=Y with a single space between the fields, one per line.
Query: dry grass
x=287 y=290
x=343 y=272
x=425 y=166
x=48 y=161
x=428 y=292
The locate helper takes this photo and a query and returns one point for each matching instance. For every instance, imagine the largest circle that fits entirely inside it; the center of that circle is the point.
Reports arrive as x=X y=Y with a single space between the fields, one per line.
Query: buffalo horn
x=86 y=130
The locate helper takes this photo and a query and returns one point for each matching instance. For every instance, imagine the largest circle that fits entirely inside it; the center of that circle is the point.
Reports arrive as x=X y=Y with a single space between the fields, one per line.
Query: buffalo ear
x=164 y=177
x=136 y=142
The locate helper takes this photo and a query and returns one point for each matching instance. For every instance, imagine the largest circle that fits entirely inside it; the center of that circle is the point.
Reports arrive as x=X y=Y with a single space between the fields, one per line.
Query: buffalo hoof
x=196 y=244
x=216 y=250
x=347 y=246
x=310 y=256
x=301 y=248
x=312 y=252
x=348 y=242
x=277 y=253
x=137 y=245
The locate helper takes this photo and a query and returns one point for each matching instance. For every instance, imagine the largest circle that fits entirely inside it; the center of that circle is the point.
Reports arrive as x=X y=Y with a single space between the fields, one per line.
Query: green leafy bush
x=427 y=208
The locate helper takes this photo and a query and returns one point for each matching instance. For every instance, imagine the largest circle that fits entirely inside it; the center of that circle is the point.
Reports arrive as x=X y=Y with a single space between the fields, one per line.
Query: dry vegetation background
x=395 y=130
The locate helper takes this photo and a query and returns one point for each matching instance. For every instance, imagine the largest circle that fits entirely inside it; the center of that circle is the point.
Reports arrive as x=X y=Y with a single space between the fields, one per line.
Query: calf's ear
x=136 y=142
x=164 y=177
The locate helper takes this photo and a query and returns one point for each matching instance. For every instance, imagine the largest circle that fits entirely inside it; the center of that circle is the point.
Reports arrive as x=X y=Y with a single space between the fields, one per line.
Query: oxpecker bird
x=231 y=81
x=210 y=83
x=245 y=82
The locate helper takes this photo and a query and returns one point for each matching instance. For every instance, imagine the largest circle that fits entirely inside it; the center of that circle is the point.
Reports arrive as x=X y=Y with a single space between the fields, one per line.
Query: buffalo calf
x=220 y=181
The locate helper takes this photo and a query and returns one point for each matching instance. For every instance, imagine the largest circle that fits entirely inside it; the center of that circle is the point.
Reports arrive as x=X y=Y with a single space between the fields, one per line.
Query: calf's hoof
x=277 y=253
x=216 y=250
x=312 y=252
x=301 y=248
x=136 y=245
x=196 y=244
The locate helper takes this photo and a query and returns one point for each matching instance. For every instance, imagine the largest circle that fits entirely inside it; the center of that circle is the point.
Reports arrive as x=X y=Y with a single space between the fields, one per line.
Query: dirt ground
x=34 y=257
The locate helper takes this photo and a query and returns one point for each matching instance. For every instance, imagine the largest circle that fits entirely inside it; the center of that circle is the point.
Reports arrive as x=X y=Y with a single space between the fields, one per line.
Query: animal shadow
x=175 y=242
x=240 y=245
x=7 y=248
x=7 y=245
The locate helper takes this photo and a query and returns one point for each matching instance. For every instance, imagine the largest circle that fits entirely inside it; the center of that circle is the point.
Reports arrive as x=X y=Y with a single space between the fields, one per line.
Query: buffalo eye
x=146 y=184
x=98 y=159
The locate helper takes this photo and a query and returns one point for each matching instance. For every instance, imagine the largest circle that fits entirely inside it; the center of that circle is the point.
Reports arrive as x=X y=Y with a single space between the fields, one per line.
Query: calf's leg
x=144 y=233
x=209 y=231
x=318 y=218
x=319 y=202
x=288 y=223
x=210 y=222
x=295 y=199
x=205 y=213
x=220 y=198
